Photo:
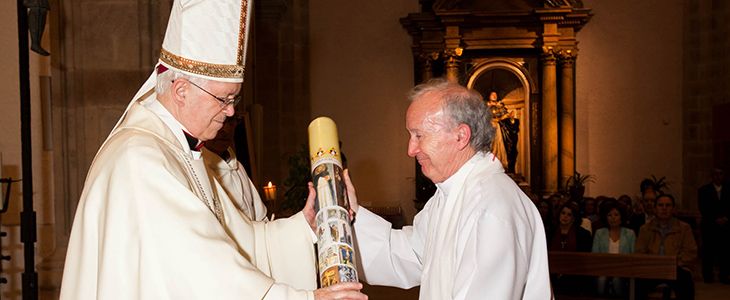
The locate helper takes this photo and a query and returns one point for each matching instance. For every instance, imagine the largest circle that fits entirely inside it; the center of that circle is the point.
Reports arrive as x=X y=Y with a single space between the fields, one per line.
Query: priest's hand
x=351 y=194
x=345 y=290
x=308 y=209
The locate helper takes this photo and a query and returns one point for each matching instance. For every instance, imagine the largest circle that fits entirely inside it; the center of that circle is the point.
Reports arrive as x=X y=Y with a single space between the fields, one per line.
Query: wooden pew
x=631 y=266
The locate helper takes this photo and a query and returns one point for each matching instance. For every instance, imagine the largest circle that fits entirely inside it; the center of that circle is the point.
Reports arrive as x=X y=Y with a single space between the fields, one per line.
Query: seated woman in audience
x=567 y=235
x=613 y=238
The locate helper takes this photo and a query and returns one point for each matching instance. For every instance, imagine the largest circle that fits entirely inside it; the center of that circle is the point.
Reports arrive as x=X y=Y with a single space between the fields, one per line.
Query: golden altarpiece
x=520 y=55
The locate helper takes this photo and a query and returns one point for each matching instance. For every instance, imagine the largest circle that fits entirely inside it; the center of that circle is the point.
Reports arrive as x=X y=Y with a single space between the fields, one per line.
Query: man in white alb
x=479 y=236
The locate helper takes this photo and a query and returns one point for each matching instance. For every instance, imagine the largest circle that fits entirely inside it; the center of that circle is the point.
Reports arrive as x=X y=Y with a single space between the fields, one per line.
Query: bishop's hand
x=344 y=290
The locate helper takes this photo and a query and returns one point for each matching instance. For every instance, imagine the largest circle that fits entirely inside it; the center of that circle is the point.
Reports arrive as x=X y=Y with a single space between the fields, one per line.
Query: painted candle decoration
x=336 y=261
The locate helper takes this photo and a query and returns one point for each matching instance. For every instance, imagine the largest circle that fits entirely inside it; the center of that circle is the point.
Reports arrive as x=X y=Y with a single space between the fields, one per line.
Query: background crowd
x=645 y=224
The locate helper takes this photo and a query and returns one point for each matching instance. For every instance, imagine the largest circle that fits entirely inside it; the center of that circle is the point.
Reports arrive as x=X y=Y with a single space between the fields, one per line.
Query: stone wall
x=706 y=98
x=629 y=95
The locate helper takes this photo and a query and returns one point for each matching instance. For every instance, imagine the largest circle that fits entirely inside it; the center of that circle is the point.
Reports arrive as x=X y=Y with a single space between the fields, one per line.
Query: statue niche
x=505 y=141
x=505 y=89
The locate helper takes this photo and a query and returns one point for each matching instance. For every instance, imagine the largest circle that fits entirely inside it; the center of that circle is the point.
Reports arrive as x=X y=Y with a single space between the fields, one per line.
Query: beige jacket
x=679 y=241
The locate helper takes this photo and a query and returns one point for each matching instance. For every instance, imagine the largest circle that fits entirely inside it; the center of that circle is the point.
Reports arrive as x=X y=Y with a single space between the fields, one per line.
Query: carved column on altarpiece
x=425 y=61
x=452 y=52
x=549 y=121
x=452 y=61
x=567 y=114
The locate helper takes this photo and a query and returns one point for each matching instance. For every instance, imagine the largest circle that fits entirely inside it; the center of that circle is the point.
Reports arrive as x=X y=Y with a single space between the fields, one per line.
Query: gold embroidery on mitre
x=201 y=68
x=242 y=32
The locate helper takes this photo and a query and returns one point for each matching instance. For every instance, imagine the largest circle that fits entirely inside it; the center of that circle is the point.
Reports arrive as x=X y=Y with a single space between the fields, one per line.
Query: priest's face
x=203 y=114
x=433 y=137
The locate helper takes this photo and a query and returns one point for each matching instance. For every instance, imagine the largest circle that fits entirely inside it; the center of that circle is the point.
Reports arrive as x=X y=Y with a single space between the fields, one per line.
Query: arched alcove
x=510 y=81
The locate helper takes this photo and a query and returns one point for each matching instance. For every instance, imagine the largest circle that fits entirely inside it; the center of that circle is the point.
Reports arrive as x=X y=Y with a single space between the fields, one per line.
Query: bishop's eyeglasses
x=223 y=100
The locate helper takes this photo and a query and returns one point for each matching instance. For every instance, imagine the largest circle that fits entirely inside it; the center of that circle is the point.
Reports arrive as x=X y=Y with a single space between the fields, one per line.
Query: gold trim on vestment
x=201 y=68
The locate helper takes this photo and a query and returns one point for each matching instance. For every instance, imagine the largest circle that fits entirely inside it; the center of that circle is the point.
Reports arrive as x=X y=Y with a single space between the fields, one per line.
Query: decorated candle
x=336 y=261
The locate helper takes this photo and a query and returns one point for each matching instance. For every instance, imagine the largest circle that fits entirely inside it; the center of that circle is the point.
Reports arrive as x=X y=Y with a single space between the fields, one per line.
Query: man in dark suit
x=714 y=204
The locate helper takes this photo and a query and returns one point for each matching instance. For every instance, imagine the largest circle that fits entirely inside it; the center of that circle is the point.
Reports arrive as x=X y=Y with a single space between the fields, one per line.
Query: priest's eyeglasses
x=223 y=100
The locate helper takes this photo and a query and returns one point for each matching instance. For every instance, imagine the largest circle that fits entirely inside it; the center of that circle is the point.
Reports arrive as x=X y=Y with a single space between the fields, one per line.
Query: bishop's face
x=202 y=114
x=432 y=138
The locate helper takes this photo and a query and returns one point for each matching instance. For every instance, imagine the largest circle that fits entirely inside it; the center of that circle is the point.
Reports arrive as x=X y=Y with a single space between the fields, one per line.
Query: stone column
x=567 y=115
x=549 y=122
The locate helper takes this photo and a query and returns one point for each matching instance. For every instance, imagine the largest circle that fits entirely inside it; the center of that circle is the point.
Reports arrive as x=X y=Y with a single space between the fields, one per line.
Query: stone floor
x=712 y=291
x=703 y=291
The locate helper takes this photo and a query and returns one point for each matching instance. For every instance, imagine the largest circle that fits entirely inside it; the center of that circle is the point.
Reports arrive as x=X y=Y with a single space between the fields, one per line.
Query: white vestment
x=478 y=237
x=146 y=227
x=238 y=186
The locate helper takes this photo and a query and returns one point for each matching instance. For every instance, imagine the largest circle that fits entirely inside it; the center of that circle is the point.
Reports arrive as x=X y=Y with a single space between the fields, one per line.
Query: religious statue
x=37 y=13
x=504 y=146
x=510 y=127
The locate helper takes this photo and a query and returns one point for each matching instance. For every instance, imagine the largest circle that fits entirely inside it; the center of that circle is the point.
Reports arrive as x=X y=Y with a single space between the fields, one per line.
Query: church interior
x=611 y=91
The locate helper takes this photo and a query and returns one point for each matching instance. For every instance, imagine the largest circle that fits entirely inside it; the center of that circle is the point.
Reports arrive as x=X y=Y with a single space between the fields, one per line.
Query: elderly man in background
x=151 y=223
x=479 y=236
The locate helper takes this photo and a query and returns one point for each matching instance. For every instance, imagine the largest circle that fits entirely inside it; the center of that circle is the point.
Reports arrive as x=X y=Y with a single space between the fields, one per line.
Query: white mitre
x=206 y=39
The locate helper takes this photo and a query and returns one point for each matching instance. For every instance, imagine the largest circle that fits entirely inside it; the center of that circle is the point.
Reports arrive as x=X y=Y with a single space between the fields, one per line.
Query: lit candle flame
x=270 y=191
